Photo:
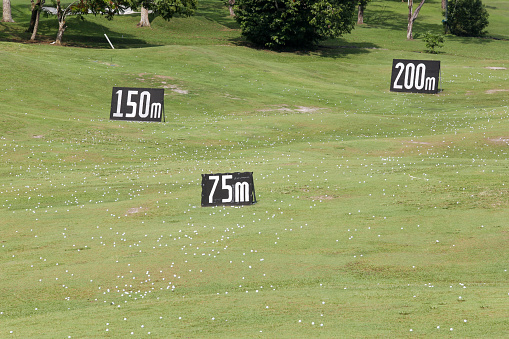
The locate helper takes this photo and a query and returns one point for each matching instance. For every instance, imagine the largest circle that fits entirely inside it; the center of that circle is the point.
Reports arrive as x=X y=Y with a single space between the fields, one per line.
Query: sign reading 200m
x=415 y=76
x=138 y=104
x=227 y=189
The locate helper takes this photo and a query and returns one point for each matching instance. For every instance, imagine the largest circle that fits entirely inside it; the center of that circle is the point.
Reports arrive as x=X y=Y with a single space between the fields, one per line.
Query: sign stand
x=440 y=75
x=254 y=195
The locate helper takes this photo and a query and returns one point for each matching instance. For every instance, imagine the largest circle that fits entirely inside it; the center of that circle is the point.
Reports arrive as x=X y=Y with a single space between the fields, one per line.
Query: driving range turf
x=378 y=214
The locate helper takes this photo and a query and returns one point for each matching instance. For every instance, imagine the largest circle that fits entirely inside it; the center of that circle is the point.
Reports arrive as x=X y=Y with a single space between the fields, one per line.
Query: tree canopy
x=467 y=17
x=294 y=23
x=167 y=9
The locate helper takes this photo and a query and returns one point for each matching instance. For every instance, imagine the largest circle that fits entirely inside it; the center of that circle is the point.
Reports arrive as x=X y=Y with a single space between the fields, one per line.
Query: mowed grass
x=379 y=214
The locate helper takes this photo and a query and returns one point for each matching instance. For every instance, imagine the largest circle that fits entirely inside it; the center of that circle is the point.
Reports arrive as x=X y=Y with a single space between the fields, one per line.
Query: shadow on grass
x=334 y=48
x=12 y=32
x=340 y=48
x=217 y=12
x=470 y=40
x=86 y=33
x=79 y=33
x=388 y=19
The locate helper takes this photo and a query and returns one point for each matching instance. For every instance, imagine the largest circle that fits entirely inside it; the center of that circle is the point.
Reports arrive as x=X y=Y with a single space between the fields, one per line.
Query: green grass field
x=379 y=214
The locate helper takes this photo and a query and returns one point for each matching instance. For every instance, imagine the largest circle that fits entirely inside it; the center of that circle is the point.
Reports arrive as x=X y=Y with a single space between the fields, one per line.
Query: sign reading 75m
x=227 y=189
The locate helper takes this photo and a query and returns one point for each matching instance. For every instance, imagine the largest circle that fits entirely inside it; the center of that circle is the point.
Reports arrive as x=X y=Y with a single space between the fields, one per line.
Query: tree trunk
x=409 y=34
x=360 y=15
x=36 y=26
x=60 y=34
x=412 y=17
x=37 y=10
x=144 y=22
x=230 y=7
x=61 y=23
x=7 y=16
x=444 y=4
x=33 y=17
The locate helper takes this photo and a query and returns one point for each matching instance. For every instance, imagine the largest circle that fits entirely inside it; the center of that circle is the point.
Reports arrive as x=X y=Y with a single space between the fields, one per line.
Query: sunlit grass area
x=378 y=214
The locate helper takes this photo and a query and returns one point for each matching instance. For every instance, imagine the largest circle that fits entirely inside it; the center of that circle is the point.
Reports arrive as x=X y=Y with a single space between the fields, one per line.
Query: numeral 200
x=415 y=77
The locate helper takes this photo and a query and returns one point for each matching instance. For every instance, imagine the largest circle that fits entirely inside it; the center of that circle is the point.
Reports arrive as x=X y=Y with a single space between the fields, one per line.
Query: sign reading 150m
x=139 y=104
x=227 y=189
x=415 y=76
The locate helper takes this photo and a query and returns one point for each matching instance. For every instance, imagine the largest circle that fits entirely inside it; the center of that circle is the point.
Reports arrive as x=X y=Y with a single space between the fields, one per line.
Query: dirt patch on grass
x=303 y=109
x=493 y=91
x=229 y=96
x=296 y=109
x=165 y=77
x=323 y=197
x=499 y=140
x=496 y=68
x=134 y=210
x=162 y=81
x=417 y=142
x=176 y=89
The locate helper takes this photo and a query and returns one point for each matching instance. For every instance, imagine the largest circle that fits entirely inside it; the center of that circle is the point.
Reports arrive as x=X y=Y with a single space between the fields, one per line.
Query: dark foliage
x=294 y=23
x=467 y=17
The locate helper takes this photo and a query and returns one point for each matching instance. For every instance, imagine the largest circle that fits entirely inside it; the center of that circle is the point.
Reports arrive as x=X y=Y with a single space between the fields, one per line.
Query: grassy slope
x=378 y=213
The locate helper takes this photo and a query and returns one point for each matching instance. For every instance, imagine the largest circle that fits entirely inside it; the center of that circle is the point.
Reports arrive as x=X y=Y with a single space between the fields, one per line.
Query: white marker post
x=109 y=41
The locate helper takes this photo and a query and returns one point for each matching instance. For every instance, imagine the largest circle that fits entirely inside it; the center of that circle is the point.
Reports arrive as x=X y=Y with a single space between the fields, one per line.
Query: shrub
x=433 y=41
x=294 y=23
x=467 y=17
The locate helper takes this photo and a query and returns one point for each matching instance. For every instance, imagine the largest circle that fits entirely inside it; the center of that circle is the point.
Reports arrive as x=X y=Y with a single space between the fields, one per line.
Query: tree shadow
x=390 y=20
x=217 y=12
x=470 y=40
x=341 y=47
x=90 y=34
x=80 y=33
x=333 y=48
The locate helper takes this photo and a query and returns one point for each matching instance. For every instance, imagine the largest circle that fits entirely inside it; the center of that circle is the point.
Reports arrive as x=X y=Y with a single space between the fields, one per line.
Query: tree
x=231 y=3
x=7 y=15
x=294 y=23
x=360 y=12
x=412 y=17
x=81 y=7
x=467 y=17
x=144 y=20
x=167 y=9
x=34 y=20
x=62 y=15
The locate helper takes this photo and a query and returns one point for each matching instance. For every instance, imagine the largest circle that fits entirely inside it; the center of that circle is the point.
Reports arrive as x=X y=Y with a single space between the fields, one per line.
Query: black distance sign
x=415 y=76
x=137 y=104
x=227 y=189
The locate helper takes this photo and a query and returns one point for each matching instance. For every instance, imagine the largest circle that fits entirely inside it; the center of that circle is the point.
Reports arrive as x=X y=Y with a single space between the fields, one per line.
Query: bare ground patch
x=493 y=91
x=162 y=81
x=418 y=142
x=323 y=197
x=135 y=210
x=295 y=109
x=499 y=140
